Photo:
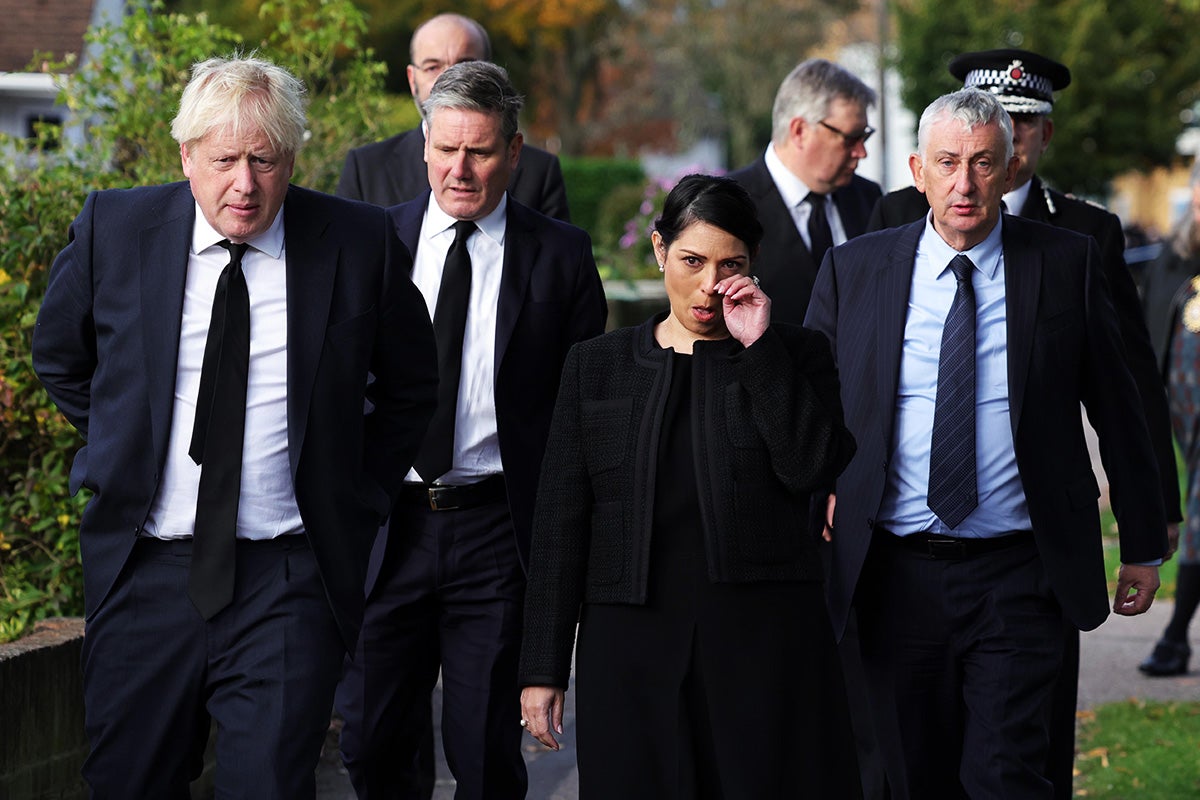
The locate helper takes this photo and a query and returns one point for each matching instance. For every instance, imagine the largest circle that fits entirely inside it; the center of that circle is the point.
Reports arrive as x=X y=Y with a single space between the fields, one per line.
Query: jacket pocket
x=769 y=530
x=605 y=425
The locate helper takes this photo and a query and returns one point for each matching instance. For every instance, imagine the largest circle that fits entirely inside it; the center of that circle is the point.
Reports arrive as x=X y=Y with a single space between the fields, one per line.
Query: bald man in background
x=393 y=171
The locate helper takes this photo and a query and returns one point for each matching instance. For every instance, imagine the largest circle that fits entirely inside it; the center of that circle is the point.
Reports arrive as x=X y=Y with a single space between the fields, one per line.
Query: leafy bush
x=123 y=99
x=589 y=183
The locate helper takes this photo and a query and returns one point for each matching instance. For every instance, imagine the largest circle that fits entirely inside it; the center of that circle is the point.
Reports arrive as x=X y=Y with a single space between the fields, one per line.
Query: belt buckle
x=946 y=548
x=440 y=498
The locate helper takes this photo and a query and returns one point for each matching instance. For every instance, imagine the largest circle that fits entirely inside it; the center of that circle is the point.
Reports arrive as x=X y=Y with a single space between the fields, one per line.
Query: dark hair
x=720 y=202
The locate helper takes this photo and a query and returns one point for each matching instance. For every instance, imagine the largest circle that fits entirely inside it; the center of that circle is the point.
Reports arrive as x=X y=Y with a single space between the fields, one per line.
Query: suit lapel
x=1022 y=281
x=1035 y=203
x=854 y=221
x=893 y=285
x=163 y=252
x=312 y=264
x=521 y=249
x=406 y=171
x=408 y=218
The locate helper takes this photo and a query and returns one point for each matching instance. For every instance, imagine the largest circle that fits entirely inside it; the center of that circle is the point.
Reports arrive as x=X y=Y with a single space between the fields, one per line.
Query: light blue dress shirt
x=1002 y=506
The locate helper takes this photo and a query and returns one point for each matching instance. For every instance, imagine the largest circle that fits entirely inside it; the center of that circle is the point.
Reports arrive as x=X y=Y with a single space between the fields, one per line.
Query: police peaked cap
x=1022 y=81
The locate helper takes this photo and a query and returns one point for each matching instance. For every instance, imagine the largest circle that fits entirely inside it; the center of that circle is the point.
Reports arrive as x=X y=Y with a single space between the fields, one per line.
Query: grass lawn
x=1134 y=750
x=1147 y=751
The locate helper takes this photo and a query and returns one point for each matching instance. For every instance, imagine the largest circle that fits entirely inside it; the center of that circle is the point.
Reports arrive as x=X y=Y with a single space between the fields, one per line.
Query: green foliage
x=589 y=183
x=1133 y=64
x=1138 y=749
x=124 y=99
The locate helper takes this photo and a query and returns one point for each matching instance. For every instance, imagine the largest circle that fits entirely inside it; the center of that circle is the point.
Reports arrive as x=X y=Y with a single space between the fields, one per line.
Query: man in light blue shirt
x=965 y=532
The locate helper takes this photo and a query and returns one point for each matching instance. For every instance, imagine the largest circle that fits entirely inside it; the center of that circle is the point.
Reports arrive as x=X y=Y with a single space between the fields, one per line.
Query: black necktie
x=449 y=322
x=217 y=438
x=820 y=235
x=953 y=493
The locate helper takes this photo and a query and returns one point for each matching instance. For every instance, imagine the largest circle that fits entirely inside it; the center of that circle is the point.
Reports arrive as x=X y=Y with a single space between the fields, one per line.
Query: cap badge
x=1015 y=70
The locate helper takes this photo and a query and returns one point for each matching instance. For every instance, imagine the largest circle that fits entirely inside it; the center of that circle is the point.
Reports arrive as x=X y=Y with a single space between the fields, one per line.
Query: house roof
x=54 y=26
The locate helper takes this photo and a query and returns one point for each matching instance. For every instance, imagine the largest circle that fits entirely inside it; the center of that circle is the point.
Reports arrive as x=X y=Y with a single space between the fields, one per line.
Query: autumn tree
x=1134 y=71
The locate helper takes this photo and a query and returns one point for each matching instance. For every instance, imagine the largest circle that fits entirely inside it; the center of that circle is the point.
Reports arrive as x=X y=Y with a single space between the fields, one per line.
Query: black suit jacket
x=550 y=298
x=106 y=347
x=1046 y=205
x=1064 y=348
x=394 y=171
x=784 y=265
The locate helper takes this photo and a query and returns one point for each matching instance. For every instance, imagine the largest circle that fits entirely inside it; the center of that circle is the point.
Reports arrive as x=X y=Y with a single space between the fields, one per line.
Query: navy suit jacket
x=784 y=265
x=550 y=298
x=1064 y=348
x=106 y=347
x=1046 y=205
x=394 y=171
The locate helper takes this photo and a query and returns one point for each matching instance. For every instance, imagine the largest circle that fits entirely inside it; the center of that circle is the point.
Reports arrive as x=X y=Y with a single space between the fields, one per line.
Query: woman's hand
x=542 y=713
x=747 y=310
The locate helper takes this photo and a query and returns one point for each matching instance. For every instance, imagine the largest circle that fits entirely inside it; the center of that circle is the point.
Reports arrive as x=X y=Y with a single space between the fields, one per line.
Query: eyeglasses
x=851 y=140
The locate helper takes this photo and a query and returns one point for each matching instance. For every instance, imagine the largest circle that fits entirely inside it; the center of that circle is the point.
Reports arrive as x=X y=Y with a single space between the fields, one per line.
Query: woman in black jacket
x=671 y=525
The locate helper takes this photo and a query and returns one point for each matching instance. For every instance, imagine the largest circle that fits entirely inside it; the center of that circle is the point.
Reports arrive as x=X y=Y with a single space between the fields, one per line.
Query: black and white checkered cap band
x=1017 y=104
x=1003 y=77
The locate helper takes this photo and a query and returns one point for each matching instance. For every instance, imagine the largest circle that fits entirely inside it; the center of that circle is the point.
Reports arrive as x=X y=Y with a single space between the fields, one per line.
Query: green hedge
x=590 y=183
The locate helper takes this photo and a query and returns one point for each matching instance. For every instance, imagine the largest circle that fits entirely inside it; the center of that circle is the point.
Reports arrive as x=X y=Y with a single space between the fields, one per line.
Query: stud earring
x=662 y=267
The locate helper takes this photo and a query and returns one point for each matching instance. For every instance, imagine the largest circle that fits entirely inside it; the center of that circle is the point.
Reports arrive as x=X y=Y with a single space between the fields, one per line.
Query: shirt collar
x=985 y=255
x=269 y=241
x=791 y=189
x=438 y=221
x=1014 y=201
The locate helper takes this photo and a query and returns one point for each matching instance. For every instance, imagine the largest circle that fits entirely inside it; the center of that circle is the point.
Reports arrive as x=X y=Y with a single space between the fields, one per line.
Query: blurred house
x=29 y=27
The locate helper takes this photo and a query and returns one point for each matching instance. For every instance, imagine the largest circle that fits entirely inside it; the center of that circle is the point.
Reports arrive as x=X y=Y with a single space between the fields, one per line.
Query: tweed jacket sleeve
x=560 y=543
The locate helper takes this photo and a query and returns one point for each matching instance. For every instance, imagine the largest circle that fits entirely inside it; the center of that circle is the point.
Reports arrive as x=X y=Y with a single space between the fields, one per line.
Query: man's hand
x=1143 y=582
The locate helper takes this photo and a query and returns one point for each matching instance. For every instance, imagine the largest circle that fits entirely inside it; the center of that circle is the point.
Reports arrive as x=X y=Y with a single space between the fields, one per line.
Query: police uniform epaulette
x=1046 y=191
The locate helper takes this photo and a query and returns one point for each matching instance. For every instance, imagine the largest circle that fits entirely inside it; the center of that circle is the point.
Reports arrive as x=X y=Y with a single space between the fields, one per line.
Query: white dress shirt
x=1014 y=201
x=476 y=443
x=267 y=504
x=793 y=191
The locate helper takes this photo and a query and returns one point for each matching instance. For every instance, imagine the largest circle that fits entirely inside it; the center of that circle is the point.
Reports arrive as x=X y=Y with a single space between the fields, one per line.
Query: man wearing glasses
x=804 y=186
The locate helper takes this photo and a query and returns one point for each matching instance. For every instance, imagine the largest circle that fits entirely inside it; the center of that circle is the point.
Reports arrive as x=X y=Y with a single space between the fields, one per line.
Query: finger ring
x=524 y=723
x=755 y=279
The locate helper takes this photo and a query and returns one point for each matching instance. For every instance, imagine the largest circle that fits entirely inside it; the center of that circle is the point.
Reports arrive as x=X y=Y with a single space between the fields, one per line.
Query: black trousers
x=960 y=658
x=717 y=691
x=448 y=596
x=155 y=675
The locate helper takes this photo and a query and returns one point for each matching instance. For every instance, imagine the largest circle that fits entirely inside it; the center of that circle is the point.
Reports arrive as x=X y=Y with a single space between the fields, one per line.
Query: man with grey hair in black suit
x=510 y=290
x=804 y=185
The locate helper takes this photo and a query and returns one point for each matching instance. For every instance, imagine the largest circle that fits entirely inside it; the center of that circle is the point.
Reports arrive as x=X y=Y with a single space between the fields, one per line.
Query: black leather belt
x=443 y=497
x=941 y=547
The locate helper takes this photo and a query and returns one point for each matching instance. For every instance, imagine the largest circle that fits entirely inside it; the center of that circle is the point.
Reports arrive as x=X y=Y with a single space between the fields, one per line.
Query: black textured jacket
x=767 y=431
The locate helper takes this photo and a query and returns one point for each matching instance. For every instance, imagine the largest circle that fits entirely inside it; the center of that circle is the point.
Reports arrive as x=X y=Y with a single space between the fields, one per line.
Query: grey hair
x=477 y=86
x=810 y=89
x=478 y=29
x=971 y=107
x=242 y=93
